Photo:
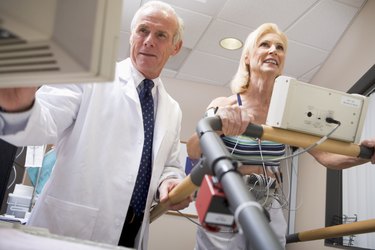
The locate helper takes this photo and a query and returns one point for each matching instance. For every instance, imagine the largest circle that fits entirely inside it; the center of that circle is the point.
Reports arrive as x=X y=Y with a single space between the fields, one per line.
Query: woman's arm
x=234 y=119
x=193 y=147
x=336 y=161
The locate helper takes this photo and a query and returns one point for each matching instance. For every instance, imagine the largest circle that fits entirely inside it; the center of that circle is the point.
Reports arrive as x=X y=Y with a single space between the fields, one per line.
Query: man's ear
x=177 y=48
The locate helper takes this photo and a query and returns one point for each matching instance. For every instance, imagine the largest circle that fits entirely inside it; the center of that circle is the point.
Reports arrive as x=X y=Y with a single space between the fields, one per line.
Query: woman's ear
x=247 y=59
x=247 y=63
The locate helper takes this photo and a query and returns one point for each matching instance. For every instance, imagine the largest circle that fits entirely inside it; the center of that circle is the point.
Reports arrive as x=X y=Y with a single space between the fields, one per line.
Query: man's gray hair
x=177 y=37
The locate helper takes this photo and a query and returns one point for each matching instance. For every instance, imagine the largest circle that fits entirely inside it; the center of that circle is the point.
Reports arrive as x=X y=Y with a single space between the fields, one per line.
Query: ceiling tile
x=175 y=62
x=354 y=3
x=323 y=25
x=208 y=7
x=128 y=10
x=188 y=77
x=302 y=59
x=168 y=73
x=194 y=26
x=255 y=12
x=309 y=75
x=210 y=67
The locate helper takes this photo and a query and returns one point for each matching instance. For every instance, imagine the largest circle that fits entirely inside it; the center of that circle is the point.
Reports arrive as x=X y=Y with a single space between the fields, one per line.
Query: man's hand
x=164 y=190
x=17 y=99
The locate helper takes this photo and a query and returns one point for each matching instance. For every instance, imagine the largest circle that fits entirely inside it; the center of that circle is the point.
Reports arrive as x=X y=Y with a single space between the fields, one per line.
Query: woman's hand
x=234 y=119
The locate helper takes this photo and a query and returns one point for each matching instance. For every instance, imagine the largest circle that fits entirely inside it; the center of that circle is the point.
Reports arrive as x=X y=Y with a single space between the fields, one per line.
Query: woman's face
x=268 y=55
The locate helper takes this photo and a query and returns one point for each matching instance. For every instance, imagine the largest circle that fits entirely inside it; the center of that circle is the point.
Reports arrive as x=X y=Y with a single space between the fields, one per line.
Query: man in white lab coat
x=98 y=133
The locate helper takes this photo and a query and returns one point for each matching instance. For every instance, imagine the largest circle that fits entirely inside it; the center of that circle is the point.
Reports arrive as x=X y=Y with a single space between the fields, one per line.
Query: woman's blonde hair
x=240 y=81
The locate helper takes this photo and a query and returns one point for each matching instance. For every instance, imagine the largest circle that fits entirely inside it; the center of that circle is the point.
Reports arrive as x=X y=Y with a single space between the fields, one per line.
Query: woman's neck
x=258 y=96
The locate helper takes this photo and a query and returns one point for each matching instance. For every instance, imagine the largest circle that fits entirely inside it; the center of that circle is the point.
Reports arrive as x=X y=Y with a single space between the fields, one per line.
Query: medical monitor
x=58 y=41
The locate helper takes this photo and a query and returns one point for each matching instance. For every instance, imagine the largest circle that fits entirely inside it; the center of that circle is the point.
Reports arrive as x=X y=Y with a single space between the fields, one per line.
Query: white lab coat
x=98 y=132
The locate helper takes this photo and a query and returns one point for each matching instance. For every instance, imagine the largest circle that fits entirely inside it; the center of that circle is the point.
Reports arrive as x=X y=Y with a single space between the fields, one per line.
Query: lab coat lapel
x=125 y=76
x=130 y=91
x=161 y=120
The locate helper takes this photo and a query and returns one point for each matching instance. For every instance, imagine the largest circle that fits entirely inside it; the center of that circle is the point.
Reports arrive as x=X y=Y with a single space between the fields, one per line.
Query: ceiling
x=313 y=27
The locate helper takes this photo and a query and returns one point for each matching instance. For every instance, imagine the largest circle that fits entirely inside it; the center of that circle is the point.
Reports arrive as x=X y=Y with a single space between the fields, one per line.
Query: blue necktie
x=139 y=197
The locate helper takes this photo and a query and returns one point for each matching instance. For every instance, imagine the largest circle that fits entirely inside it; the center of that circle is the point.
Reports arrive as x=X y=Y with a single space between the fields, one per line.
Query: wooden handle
x=359 y=227
x=178 y=194
x=304 y=140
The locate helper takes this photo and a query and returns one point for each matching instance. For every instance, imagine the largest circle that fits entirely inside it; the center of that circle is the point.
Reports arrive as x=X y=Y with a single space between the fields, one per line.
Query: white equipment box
x=58 y=41
x=304 y=107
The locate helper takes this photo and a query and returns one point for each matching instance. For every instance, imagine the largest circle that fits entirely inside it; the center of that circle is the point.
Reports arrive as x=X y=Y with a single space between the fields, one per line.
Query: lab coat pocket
x=70 y=219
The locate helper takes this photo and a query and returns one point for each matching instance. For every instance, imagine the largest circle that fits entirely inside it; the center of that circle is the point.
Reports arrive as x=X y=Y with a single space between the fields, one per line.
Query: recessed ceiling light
x=230 y=43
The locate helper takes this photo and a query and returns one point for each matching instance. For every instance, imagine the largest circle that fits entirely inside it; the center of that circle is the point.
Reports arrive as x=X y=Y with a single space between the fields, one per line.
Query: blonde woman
x=262 y=60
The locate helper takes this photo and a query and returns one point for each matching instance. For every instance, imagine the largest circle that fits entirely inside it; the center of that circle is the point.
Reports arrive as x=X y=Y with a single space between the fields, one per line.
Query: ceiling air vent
x=18 y=56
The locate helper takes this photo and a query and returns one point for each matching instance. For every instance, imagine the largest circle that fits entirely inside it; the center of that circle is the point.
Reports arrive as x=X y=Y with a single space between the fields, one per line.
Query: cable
x=297 y=206
x=19 y=153
x=14 y=168
x=282 y=198
x=15 y=177
x=267 y=180
x=261 y=187
x=321 y=140
x=331 y=120
x=187 y=217
x=230 y=231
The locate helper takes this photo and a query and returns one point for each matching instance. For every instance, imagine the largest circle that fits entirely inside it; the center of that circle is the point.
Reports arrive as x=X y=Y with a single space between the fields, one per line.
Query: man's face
x=152 y=42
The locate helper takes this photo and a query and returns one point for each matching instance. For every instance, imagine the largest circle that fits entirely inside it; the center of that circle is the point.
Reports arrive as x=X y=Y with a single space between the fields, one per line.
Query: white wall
x=172 y=232
x=354 y=55
x=193 y=99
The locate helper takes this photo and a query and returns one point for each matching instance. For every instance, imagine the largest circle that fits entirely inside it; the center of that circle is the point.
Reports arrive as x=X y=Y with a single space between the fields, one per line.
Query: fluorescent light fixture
x=230 y=43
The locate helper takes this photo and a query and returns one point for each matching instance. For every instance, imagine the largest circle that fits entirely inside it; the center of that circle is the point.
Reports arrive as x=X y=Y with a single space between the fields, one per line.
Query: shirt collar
x=138 y=77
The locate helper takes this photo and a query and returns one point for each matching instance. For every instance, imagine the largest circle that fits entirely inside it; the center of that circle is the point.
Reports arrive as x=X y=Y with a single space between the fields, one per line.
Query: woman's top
x=252 y=151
